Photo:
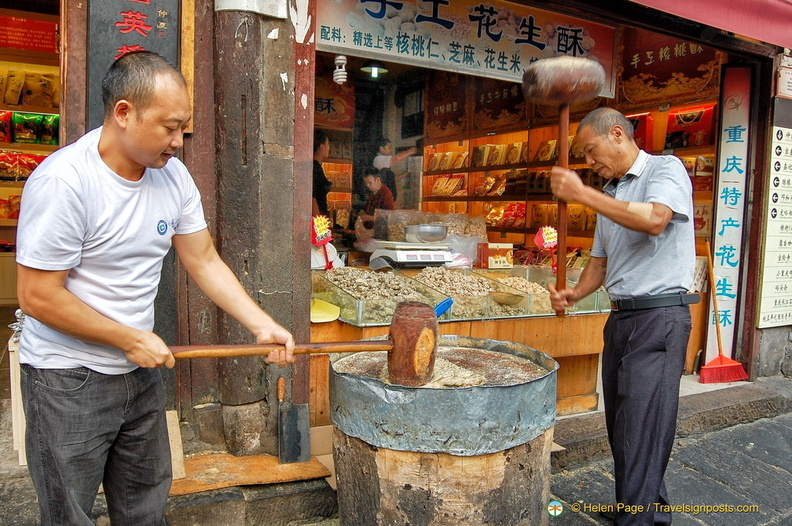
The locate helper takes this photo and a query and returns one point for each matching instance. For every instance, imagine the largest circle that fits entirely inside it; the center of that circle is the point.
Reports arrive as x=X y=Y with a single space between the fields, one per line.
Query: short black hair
x=133 y=76
x=372 y=172
x=602 y=121
x=320 y=137
x=383 y=142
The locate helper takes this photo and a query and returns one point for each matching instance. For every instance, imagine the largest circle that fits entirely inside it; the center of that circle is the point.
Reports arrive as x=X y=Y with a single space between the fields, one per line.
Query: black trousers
x=643 y=360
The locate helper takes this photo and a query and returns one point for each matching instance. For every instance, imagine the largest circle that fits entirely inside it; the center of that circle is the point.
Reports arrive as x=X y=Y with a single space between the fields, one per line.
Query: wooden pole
x=563 y=162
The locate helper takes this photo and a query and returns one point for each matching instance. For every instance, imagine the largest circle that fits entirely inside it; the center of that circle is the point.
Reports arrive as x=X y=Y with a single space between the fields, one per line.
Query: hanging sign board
x=334 y=104
x=732 y=171
x=117 y=27
x=657 y=68
x=775 y=303
x=495 y=39
x=784 y=88
x=28 y=34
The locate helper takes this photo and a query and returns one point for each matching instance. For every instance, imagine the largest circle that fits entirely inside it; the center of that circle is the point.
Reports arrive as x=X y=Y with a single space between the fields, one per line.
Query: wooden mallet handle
x=228 y=351
x=411 y=347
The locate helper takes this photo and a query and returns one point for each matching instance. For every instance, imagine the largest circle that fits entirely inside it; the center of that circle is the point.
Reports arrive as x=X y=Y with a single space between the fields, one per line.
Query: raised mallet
x=562 y=81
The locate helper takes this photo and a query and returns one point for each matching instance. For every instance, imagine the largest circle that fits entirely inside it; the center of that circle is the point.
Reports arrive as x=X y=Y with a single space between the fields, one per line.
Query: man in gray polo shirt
x=644 y=253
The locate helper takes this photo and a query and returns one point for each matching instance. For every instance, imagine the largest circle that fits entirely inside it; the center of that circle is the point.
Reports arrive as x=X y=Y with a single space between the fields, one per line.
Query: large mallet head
x=563 y=80
x=413 y=332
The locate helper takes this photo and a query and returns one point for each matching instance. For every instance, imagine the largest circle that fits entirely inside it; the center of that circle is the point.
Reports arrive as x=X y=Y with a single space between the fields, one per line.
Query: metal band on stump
x=413 y=332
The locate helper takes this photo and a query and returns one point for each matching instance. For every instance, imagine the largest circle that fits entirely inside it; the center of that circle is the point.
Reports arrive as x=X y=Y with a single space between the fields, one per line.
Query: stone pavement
x=734 y=448
x=737 y=476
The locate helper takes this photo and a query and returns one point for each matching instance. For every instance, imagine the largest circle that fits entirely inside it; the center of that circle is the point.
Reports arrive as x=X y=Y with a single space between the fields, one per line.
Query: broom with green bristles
x=721 y=369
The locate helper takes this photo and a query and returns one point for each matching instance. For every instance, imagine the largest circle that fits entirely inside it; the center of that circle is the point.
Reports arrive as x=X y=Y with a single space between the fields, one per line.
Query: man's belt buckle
x=658 y=300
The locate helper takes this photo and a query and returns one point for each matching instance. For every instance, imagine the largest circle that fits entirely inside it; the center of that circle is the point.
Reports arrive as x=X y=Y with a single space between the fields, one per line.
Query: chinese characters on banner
x=117 y=27
x=657 y=68
x=496 y=39
x=730 y=198
x=775 y=307
x=29 y=34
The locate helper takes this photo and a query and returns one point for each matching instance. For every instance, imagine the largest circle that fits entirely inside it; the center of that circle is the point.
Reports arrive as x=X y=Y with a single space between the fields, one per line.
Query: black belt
x=658 y=300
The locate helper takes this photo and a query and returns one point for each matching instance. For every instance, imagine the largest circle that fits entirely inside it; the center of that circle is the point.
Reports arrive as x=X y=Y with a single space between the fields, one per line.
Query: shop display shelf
x=362 y=312
x=539 y=302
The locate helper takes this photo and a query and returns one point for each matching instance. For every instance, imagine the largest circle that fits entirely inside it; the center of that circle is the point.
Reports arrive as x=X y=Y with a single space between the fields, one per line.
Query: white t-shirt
x=382 y=161
x=111 y=234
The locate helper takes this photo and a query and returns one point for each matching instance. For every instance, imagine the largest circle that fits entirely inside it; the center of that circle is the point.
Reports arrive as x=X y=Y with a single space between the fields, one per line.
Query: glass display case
x=475 y=296
x=362 y=310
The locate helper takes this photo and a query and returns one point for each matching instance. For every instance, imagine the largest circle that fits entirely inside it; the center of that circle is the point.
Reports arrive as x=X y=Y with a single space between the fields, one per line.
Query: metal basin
x=425 y=233
x=463 y=421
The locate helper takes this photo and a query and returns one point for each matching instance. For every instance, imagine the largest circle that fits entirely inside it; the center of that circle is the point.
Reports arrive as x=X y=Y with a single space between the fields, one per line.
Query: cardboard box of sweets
x=495 y=255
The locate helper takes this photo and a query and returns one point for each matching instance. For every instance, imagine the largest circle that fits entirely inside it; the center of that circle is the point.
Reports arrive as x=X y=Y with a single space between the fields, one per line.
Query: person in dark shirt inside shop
x=381 y=197
x=321 y=184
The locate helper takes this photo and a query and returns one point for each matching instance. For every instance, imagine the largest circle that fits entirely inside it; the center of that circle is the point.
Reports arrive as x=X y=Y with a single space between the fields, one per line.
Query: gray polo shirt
x=641 y=264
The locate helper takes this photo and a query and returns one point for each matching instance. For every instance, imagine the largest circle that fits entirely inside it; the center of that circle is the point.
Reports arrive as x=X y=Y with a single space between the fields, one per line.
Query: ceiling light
x=374 y=68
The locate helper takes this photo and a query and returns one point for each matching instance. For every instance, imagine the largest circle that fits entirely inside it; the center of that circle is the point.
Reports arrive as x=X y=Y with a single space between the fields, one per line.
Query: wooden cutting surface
x=222 y=470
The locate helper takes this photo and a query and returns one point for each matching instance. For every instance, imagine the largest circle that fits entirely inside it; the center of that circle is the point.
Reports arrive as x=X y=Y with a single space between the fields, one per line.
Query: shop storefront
x=486 y=151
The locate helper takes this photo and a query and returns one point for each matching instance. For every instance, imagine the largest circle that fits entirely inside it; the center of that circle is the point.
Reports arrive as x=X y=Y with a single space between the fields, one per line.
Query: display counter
x=366 y=300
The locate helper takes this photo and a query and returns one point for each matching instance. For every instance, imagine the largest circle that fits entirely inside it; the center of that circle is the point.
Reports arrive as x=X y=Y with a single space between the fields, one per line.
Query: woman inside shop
x=381 y=197
x=321 y=185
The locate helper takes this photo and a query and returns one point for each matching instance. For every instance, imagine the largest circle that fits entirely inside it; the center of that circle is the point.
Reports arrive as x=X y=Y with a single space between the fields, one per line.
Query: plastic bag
x=465 y=245
x=361 y=232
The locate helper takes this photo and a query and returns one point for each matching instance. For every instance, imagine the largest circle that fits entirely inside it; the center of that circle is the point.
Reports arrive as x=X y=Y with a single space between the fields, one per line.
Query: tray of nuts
x=475 y=296
x=598 y=301
x=368 y=298
x=539 y=295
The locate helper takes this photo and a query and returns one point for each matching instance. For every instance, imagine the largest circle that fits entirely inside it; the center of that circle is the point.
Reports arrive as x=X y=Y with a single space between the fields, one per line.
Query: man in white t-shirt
x=97 y=219
x=385 y=160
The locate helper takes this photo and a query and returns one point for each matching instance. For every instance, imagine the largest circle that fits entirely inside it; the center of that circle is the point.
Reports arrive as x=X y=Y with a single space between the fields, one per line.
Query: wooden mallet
x=411 y=346
x=562 y=81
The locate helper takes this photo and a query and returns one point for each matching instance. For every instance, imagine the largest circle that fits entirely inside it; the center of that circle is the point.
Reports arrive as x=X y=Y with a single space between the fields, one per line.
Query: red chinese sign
x=657 y=68
x=29 y=34
x=118 y=27
x=334 y=104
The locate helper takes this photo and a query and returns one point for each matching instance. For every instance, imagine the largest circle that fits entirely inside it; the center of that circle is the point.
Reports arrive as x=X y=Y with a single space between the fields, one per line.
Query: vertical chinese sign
x=731 y=195
x=117 y=27
x=775 y=307
x=496 y=39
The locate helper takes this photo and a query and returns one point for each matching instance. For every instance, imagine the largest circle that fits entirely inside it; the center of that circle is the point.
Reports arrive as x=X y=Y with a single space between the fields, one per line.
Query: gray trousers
x=643 y=360
x=85 y=428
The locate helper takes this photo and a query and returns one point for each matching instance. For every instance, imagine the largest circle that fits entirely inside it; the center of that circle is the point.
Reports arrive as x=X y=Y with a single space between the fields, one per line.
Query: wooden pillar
x=197 y=316
x=262 y=229
x=74 y=69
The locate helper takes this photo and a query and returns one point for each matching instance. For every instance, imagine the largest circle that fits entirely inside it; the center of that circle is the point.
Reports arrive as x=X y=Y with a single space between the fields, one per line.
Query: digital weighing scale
x=400 y=254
